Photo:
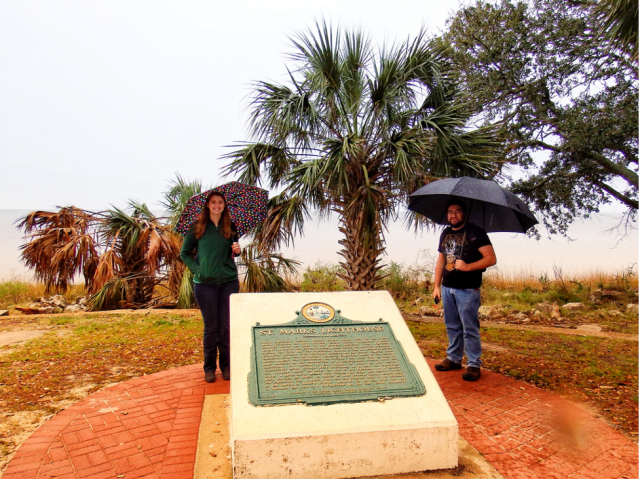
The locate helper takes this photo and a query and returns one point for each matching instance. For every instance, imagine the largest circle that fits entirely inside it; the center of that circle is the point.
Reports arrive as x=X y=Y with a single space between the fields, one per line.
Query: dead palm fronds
x=125 y=255
x=144 y=248
x=62 y=246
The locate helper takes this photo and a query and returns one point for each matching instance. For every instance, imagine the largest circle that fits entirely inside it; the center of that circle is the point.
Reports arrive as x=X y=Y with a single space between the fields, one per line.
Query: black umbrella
x=488 y=205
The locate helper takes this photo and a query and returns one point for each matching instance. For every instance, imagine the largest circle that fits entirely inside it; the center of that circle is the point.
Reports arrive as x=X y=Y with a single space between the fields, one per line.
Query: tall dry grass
x=412 y=284
x=21 y=293
x=620 y=280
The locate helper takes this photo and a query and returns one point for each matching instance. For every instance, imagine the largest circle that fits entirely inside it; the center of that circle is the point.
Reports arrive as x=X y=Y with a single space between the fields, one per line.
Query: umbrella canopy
x=488 y=205
x=247 y=207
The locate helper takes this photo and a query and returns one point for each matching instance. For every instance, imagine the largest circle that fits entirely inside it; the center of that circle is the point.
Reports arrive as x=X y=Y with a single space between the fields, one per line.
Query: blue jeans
x=213 y=301
x=463 y=326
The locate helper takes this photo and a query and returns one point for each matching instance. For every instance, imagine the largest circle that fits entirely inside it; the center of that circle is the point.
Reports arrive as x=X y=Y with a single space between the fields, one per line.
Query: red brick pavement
x=148 y=427
x=525 y=432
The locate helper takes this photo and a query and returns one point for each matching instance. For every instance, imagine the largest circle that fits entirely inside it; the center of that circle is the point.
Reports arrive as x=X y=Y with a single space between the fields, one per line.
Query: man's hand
x=488 y=259
x=436 y=294
x=461 y=265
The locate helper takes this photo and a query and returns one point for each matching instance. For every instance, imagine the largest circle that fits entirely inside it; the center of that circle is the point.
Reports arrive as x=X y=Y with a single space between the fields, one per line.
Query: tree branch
x=630 y=202
x=630 y=176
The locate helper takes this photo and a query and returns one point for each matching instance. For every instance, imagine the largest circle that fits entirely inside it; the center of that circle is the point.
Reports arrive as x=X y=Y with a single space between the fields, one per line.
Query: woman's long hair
x=225 y=221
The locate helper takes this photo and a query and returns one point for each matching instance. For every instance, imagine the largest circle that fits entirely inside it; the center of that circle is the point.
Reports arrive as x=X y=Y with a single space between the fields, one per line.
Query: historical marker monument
x=332 y=385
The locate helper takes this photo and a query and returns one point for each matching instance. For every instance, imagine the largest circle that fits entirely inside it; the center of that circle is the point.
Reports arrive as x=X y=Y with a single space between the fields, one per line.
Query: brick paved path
x=525 y=432
x=148 y=427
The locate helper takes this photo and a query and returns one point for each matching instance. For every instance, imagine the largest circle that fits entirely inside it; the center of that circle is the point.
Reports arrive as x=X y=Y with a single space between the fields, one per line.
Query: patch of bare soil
x=581 y=330
x=213 y=456
x=15 y=428
x=471 y=464
x=12 y=337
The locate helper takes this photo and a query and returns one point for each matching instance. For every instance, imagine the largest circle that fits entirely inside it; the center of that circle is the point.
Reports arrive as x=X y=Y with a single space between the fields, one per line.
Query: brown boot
x=471 y=374
x=448 y=365
x=210 y=376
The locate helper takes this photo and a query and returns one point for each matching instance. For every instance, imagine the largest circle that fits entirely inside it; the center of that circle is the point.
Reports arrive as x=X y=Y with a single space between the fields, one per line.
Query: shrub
x=322 y=277
x=12 y=292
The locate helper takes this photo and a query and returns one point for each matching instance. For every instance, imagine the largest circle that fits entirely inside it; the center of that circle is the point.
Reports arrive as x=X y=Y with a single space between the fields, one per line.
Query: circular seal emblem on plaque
x=318 y=312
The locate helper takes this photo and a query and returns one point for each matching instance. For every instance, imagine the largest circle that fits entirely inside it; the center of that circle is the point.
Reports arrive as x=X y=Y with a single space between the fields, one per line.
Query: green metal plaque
x=322 y=357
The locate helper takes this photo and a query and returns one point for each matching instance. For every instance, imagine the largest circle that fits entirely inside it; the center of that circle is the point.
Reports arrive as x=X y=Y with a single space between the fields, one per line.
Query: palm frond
x=60 y=245
x=186 y=297
x=176 y=197
x=619 y=23
x=318 y=51
x=110 y=296
x=285 y=220
x=263 y=271
x=109 y=266
x=248 y=160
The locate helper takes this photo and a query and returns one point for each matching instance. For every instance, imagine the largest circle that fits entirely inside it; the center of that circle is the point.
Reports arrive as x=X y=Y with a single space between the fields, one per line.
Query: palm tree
x=180 y=279
x=61 y=245
x=139 y=248
x=354 y=131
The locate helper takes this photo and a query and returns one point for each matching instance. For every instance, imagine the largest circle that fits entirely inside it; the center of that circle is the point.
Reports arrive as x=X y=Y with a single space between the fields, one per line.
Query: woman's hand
x=235 y=247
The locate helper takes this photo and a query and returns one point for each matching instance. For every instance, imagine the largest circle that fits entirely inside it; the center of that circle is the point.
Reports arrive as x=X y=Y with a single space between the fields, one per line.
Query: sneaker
x=471 y=374
x=210 y=376
x=448 y=365
x=226 y=374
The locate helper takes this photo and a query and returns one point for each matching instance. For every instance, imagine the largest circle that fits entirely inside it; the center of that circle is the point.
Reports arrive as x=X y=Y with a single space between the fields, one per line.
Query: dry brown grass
x=518 y=281
x=20 y=293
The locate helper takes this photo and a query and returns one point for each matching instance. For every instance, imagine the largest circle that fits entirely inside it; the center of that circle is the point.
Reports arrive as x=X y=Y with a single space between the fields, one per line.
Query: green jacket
x=213 y=263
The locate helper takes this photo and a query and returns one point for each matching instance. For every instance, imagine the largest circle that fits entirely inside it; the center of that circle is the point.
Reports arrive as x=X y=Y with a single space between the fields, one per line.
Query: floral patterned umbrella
x=247 y=207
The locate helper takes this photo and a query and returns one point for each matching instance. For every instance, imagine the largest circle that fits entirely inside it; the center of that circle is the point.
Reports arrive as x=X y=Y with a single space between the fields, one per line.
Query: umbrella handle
x=464 y=239
x=234 y=239
x=466 y=220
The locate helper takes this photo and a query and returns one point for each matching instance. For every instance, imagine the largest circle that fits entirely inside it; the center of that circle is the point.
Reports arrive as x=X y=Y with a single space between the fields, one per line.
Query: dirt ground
x=582 y=330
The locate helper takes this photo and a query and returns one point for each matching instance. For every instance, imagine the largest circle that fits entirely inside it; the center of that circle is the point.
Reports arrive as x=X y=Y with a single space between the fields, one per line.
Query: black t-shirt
x=451 y=247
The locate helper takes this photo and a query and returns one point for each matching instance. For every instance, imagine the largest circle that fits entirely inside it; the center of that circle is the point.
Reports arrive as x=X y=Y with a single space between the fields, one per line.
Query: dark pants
x=213 y=301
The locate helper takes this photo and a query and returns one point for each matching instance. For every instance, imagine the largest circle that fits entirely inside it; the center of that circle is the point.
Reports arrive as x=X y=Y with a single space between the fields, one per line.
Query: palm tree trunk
x=362 y=262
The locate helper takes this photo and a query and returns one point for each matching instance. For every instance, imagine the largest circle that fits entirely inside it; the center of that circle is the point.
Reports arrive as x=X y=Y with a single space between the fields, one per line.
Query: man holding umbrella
x=464 y=252
x=471 y=208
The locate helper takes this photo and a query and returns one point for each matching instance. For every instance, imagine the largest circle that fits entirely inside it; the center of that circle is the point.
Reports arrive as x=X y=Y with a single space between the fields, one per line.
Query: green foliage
x=110 y=296
x=265 y=272
x=186 y=296
x=540 y=72
x=176 y=197
x=405 y=282
x=322 y=277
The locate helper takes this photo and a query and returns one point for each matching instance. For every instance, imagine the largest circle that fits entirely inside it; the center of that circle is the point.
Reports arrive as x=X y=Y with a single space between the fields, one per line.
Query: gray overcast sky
x=105 y=101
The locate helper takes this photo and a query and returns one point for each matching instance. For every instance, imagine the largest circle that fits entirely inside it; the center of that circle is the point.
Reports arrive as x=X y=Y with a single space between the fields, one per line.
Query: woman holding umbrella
x=215 y=277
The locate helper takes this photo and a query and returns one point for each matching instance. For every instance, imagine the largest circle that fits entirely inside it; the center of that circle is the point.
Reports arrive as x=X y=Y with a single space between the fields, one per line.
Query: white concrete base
x=340 y=440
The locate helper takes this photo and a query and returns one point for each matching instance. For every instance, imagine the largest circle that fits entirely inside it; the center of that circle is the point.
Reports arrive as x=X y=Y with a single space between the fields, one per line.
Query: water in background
x=592 y=249
x=10 y=241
